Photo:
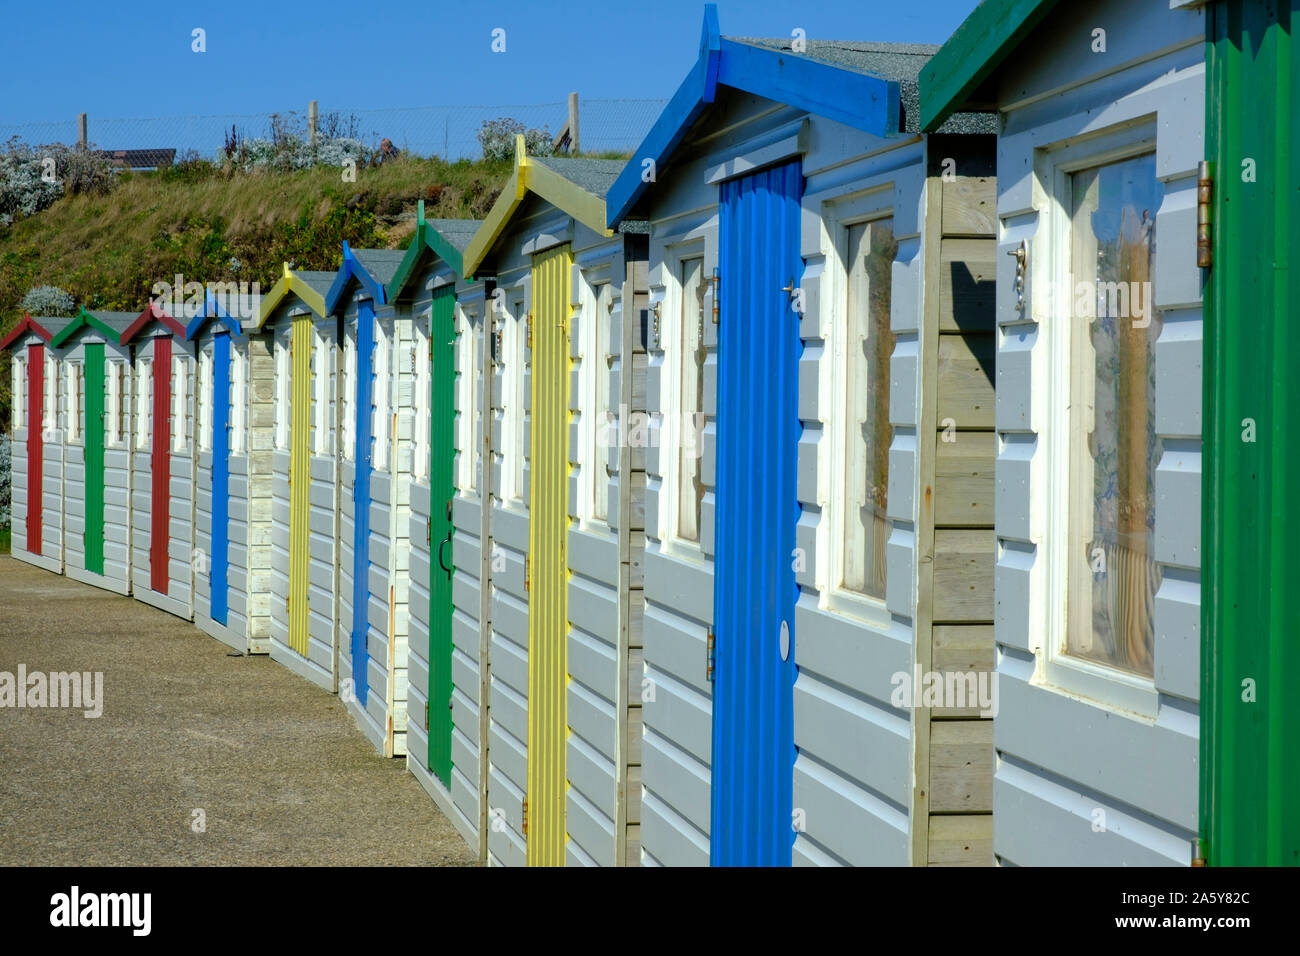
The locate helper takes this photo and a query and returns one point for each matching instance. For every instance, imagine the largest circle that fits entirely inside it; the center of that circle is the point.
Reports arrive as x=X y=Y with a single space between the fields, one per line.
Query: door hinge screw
x=712 y=658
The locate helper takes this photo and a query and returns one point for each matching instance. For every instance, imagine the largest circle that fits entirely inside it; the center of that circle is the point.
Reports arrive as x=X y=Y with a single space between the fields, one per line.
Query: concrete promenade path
x=275 y=765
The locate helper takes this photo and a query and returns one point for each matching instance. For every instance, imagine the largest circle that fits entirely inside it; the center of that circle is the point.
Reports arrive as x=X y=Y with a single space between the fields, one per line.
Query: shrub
x=48 y=300
x=28 y=184
x=6 y=487
x=190 y=167
x=497 y=137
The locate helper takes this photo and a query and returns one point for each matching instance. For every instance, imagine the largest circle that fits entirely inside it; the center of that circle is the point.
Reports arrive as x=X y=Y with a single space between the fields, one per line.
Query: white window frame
x=350 y=395
x=205 y=399
x=512 y=361
x=239 y=390
x=50 y=417
x=466 y=401
x=113 y=404
x=838 y=216
x=283 y=385
x=19 y=390
x=671 y=423
x=380 y=426
x=180 y=391
x=1051 y=246
x=144 y=408
x=423 y=330
x=320 y=392
x=74 y=391
x=595 y=295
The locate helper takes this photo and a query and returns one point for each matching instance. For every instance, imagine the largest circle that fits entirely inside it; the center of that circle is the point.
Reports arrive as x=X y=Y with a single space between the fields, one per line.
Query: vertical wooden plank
x=548 y=508
x=160 y=464
x=93 y=437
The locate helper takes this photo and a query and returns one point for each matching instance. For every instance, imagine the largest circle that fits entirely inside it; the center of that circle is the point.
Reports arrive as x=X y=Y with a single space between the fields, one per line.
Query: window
x=320 y=372
x=870 y=250
x=74 y=403
x=350 y=398
x=205 y=400
x=51 y=395
x=239 y=388
x=690 y=490
x=143 y=386
x=1113 y=451
x=423 y=360
x=180 y=389
x=19 y=391
x=467 y=381
x=595 y=400
x=116 y=401
x=380 y=423
x=283 y=385
x=513 y=344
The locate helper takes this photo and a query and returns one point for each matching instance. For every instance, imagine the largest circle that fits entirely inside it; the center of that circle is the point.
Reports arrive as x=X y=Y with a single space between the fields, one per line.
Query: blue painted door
x=754 y=583
x=361 y=498
x=221 y=414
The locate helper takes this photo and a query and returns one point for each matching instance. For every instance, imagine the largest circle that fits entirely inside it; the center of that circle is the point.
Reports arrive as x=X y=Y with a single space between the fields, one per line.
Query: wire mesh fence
x=450 y=132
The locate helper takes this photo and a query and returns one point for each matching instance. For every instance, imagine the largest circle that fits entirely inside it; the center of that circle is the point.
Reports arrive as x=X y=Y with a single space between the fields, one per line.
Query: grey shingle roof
x=119 y=322
x=593 y=175
x=317 y=281
x=892 y=61
x=380 y=263
x=458 y=232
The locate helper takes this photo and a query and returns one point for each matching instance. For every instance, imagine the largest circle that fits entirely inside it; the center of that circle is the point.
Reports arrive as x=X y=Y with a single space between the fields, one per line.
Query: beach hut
x=96 y=419
x=37 y=449
x=565 y=577
x=162 y=453
x=819 y=504
x=235 y=417
x=305 y=485
x=447 y=663
x=1099 y=416
x=375 y=514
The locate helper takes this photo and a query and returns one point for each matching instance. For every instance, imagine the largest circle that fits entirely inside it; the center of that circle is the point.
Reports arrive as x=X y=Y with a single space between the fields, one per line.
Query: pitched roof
x=371 y=268
x=153 y=313
x=211 y=311
x=40 y=325
x=445 y=238
x=575 y=186
x=111 y=325
x=955 y=78
x=310 y=288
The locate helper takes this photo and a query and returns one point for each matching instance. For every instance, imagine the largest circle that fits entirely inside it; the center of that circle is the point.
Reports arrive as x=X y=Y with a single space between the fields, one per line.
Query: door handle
x=442 y=564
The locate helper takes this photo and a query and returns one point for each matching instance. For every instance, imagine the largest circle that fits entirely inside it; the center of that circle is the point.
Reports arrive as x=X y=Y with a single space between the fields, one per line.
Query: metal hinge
x=529 y=322
x=525 y=816
x=426 y=715
x=717 y=295
x=428 y=532
x=1204 y=215
x=449 y=501
x=527 y=571
x=712 y=658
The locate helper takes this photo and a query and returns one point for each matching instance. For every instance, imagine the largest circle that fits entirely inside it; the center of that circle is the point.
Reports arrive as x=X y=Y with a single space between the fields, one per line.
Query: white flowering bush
x=497 y=137
x=48 y=300
x=28 y=184
x=6 y=486
x=292 y=152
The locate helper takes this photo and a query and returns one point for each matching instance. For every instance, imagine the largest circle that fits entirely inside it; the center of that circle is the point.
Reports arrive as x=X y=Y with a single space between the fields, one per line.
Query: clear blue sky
x=133 y=58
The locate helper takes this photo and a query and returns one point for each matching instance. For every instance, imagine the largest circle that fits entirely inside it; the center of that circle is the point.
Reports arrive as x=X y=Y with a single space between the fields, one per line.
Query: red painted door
x=160 y=464
x=35 y=444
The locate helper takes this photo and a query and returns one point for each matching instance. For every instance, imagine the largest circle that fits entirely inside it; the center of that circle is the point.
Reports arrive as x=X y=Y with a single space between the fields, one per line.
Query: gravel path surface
x=276 y=765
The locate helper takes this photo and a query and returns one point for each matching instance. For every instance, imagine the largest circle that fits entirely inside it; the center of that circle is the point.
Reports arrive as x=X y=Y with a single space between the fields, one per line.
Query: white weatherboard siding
x=508 y=608
x=853 y=769
x=1064 y=760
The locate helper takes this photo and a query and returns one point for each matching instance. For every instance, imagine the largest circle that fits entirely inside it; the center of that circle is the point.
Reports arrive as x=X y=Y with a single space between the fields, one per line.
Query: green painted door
x=94 y=457
x=442 y=446
x=1250 y=531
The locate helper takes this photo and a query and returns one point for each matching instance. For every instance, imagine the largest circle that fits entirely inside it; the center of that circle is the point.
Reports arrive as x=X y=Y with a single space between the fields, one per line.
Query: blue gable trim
x=211 y=312
x=868 y=103
x=350 y=270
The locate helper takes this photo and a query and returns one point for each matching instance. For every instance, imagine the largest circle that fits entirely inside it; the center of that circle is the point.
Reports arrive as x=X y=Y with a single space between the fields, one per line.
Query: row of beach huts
x=850 y=477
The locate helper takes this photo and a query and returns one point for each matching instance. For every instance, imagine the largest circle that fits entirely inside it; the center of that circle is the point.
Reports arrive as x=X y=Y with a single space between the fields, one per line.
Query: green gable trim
x=426 y=238
x=971 y=55
x=85 y=319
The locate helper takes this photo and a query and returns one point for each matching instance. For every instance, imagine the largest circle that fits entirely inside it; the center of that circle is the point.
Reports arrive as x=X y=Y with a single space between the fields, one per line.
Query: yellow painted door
x=299 y=480
x=548 y=577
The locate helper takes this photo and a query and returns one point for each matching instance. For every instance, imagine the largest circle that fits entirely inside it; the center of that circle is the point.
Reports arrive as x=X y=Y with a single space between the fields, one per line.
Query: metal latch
x=527 y=570
x=529 y=321
x=1021 y=252
x=525 y=816
x=712 y=658
x=1204 y=215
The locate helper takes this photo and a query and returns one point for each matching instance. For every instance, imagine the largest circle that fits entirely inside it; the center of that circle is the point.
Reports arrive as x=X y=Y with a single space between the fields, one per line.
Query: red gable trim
x=28 y=324
x=152 y=312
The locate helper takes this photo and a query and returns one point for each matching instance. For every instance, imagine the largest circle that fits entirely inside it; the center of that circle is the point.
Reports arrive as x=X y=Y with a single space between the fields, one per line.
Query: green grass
x=4 y=540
